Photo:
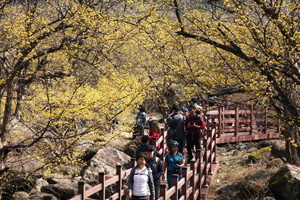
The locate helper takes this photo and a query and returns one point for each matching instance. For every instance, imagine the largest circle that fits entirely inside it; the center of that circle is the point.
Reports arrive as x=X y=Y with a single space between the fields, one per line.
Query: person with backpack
x=140 y=180
x=194 y=125
x=156 y=167
x=154 y=132
x=173 y=162
x=141 y=120
x=176 y=127
x=143 y=147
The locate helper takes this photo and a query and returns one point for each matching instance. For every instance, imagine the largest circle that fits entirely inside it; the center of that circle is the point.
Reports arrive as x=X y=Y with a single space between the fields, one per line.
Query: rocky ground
x=245 y=170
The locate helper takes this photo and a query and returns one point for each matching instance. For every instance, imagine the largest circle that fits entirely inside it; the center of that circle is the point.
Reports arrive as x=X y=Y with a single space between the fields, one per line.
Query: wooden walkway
x=224 y=124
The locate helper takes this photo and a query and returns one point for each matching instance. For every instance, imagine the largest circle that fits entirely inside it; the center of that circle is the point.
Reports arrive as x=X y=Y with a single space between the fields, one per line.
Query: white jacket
x=141 y=182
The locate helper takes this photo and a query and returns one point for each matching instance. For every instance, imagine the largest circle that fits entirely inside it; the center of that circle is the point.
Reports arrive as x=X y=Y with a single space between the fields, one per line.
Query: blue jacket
x=141 y=119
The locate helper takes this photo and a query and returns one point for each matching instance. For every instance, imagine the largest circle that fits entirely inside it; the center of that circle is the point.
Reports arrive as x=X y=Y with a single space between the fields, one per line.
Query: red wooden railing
x=240 y=118
x=194 y=175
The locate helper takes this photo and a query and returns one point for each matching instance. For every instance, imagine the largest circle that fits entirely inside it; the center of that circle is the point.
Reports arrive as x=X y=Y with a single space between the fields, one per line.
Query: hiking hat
x=174 y=144
x=150 y=148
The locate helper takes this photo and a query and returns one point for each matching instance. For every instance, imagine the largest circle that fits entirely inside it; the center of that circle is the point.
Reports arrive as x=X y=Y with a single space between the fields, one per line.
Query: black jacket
x=157 y=168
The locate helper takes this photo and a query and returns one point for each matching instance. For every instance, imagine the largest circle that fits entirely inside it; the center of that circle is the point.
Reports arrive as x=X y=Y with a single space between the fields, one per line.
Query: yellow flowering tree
x=254 y=49
x=67 y=70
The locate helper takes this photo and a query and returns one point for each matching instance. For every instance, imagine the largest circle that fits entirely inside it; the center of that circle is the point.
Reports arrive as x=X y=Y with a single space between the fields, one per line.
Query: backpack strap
x=156 y=160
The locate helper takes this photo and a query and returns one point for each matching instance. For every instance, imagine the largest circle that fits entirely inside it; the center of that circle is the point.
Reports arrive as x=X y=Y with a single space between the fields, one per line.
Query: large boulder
x=65 y=189
x=278 y=149
x=105 y=161
x=131 y=146
x=285 y=184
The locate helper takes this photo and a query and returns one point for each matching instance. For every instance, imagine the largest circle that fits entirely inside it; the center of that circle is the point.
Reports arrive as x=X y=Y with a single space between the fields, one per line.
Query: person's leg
x=190 y=145
x=156 y=191
x=197 y=141
x=180 y=142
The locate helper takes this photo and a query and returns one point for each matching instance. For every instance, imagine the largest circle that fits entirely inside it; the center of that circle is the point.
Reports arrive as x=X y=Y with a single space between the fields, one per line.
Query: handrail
x=194 y=176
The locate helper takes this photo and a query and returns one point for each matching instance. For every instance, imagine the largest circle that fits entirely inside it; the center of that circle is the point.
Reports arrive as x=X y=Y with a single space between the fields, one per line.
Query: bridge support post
x=205 y=163
x=236 y=125
x=184 y=187
x=192 y=167
x=119 y=182
x=102 y=181
x=175 y=178
x=81 y=189
x=163 y=190
x=163 y=144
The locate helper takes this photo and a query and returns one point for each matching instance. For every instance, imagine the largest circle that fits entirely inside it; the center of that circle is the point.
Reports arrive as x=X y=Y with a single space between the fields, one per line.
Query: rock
x=236 y=153
x=251 y=149
x=259 y=154
x=117 y=144
x=65 y=189
x=40 y=183
x=105 y=161
x=249 y=188
x=131 y=146
x=88 y=155
x=40 y=196
x=62 y=191
x=240 y=147
x=285 y=183
x=266 y=143
x=277 y=162
x=278 y=149
x=21 y=196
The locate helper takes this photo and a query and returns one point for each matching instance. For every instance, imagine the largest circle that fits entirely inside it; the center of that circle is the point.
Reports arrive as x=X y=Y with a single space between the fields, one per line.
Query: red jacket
x=198 y=121
x=153 y=133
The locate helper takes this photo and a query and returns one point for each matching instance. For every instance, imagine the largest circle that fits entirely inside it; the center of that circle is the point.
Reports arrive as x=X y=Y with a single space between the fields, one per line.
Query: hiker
x=140 y=180
x=176 y=127
x=144 y=145
x=173 y=162
x=193 y=102
x=154 y=132
x=194 y=126
x=140 y=122
x=156 y=166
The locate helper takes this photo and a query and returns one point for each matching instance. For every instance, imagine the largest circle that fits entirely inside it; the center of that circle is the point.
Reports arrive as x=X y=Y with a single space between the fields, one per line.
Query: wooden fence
x=241 y=122
x=194 y=183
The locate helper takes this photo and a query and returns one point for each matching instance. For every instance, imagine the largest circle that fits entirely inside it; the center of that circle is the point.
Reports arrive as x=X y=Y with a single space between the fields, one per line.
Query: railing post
x=163 y=144
x=236 y=125
x=163 y=190
x=175 y=178
x=154 y=142
x=210 y=147
x=251 y=120
x=184 y=187
x=205 y=163
x=81 y=189
x=199 y=168
x=119 y=182
x=102 y=181
x=278 y=125
x=192 y=180
x=219 y=122
x=215 y=142
x=266 y=120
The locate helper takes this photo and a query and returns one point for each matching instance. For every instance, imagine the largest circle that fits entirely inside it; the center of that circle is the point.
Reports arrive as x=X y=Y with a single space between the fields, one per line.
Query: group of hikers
x=185 y=129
